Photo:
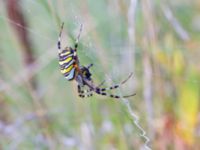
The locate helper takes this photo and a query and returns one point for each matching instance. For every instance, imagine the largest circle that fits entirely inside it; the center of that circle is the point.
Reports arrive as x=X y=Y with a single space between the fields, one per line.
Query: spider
x=72 y=70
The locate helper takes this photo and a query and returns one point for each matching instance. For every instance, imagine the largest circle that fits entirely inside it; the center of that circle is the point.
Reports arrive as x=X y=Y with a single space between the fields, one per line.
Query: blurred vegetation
x=156 y=40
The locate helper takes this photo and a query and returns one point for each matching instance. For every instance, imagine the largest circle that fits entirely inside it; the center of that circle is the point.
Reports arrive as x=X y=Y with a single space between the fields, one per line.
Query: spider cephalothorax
x=72 y=70
x=86 y=72
x=84 y=76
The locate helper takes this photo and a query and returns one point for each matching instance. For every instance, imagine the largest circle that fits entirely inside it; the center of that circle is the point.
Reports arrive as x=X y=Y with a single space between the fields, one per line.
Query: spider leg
x=59 y=38
x=78 y=37
x=89 y=66
x=116 y=85
x=101 y=83
x=101 y=91
x=86 y=93
x=113 y=96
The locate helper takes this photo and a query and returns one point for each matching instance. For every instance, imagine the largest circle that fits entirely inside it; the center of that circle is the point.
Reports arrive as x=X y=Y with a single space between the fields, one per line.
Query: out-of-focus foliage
x=156 y=40
x=187 y=110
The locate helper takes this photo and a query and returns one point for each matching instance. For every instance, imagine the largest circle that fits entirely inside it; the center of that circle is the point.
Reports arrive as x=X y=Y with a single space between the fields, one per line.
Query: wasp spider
x=72 y=70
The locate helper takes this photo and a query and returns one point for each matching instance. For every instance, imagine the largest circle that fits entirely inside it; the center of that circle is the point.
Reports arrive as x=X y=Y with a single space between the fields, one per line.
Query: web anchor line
x=135 y=119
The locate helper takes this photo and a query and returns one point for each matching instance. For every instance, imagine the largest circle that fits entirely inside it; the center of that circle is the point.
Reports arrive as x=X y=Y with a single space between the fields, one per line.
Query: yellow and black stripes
x=67 y=61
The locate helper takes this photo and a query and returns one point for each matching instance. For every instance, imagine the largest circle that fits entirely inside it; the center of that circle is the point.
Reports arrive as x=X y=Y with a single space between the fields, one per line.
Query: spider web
x=109 y=61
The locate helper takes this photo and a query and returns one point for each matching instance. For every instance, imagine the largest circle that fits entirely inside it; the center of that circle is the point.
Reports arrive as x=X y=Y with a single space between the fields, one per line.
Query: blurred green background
x=156 y=40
